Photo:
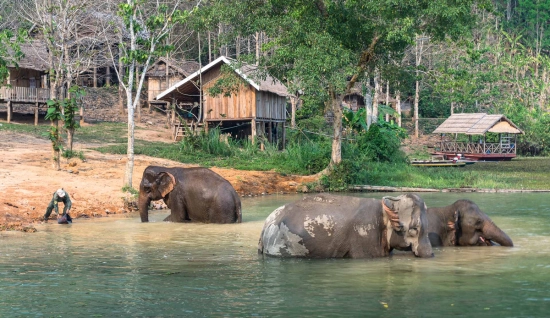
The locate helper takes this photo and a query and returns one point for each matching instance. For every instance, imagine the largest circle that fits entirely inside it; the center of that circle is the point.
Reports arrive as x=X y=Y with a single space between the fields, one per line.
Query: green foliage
x=71 y=106
x=228 y=83
x=210 y=143
x=132 y=191
x=54 y=136
x=10 y=50
x=382 y=142
x=68 y=154
x=54 y=114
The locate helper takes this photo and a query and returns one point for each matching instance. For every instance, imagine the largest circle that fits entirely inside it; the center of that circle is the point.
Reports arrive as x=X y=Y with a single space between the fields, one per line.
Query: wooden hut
x=28 y=81
x=477 y=148
x=164 y=73
x=257 y=108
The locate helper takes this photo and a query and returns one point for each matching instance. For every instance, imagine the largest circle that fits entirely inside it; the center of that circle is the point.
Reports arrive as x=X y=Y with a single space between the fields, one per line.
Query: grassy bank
x=520 y=173
x=310 y=157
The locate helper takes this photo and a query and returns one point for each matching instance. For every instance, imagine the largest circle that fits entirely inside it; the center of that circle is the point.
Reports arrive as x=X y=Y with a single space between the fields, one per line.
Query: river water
x=118 y=266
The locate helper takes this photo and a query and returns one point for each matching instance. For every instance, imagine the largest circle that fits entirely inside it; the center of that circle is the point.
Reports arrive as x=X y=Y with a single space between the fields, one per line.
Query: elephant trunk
x=424 y=247
x=143 y=205
x=494 y=233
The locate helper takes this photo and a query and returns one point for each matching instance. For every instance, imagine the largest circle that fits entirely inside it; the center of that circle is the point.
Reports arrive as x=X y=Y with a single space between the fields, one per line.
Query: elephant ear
x=390 y=211
x=166 y=183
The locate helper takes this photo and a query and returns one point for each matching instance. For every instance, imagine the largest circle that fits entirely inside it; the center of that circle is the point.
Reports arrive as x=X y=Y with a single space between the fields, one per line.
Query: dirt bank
x=27 y=180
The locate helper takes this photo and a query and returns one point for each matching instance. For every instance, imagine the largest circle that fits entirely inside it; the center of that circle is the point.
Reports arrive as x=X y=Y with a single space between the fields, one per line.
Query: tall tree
x=146 y=26
x=329 y=45
x=70 y=32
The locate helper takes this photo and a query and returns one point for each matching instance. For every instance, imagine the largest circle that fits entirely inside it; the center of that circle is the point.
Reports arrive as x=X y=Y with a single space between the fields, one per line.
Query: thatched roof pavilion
x=478 y=124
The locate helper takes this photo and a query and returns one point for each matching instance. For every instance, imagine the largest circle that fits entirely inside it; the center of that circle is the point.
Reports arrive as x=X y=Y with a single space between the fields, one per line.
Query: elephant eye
x=413 y=232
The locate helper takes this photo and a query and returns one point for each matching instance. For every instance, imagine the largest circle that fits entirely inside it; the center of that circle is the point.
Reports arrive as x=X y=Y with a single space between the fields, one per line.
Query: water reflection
x=120 y=266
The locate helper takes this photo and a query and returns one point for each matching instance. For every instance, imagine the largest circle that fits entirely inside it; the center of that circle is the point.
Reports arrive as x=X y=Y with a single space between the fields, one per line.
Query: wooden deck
x=24 y=94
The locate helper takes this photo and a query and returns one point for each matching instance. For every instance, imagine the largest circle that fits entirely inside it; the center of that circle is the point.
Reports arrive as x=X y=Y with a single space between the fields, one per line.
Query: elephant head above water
x=464 y=224
x=330 y=226
x=192 y=195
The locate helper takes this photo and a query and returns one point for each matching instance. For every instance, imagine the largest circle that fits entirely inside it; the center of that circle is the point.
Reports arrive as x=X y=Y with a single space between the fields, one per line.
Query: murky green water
x=120 y=267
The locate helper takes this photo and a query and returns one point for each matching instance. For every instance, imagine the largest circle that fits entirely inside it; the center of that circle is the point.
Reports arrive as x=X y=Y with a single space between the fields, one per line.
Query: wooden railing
x=477 y=148
x=24 y=94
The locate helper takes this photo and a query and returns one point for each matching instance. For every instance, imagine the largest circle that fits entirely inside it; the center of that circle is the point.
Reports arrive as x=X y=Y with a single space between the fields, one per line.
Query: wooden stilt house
x=467 y=135
x=164 y=73
x=27 y=84
x=255 y=109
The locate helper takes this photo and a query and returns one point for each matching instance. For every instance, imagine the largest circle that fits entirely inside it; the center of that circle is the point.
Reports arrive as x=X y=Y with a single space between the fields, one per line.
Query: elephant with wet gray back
x=330 y=226
x=192 y=195
x=463 y=224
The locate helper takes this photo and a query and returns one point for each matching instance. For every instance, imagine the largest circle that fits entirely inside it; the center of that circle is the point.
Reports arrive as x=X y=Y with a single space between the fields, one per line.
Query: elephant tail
x=239 y=213
x=261 y=244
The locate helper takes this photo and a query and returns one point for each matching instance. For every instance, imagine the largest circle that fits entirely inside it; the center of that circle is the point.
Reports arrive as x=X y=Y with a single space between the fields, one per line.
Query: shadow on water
x=119 y=266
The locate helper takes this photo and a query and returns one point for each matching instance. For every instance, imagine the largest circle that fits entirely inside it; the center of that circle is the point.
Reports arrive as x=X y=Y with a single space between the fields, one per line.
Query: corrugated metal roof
x=477 y=124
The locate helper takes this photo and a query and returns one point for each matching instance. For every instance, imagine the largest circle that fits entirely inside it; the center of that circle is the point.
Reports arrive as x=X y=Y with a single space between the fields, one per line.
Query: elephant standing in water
x=329 y=226
x=463 y=224
x=192 y=195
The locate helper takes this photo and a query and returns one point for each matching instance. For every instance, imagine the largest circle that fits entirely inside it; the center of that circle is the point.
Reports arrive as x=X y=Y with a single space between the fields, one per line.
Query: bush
x=68 y=154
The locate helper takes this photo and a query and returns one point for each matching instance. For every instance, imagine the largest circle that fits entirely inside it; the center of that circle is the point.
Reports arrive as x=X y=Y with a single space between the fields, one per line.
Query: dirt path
x=27 y=180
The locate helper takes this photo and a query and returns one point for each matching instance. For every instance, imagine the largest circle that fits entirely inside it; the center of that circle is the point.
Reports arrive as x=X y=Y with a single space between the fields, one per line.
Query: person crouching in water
x=60 y=196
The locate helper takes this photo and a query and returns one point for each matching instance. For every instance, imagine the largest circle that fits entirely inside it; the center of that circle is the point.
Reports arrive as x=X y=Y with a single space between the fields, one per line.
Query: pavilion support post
x=36 y=114
x=205 y=125
x=284 y=136
x=173 y=114
x=262 y=134
x=10 y=111
x=95 y=76
x=253 y=130
x=168 y=114
x=108 y=76
x=270 y=131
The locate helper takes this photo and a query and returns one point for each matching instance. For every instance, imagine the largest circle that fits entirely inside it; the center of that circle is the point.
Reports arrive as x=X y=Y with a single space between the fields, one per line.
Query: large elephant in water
x=192 y=195
x=463 y=224
x=329 y=226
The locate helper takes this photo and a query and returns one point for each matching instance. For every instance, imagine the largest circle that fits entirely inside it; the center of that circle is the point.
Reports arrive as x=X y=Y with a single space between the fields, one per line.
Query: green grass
x=100 y=133
x=519 y=173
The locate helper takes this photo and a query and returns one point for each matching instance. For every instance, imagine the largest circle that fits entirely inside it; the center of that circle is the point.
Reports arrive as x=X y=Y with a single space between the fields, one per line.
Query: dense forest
x=439 y=57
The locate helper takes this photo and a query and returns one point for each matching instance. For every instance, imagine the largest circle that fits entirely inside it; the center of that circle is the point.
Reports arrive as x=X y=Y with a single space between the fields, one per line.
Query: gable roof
x=477 y=124
x=184 y=68
x=35 y=56
x=269 y=84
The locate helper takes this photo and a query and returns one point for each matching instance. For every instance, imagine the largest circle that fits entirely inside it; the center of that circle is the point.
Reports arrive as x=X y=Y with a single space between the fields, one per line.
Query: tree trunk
x=209 y=48
x=375 y=100
x=416 y=96
x=257 y=48
x=368 y=108
x=398 y=107
x=336 y=155
x=55 y=149
x=70 y=134
x=388 y=99
x=138 y=107
x=130 y=150
x=293 y=102
x=238 y=47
